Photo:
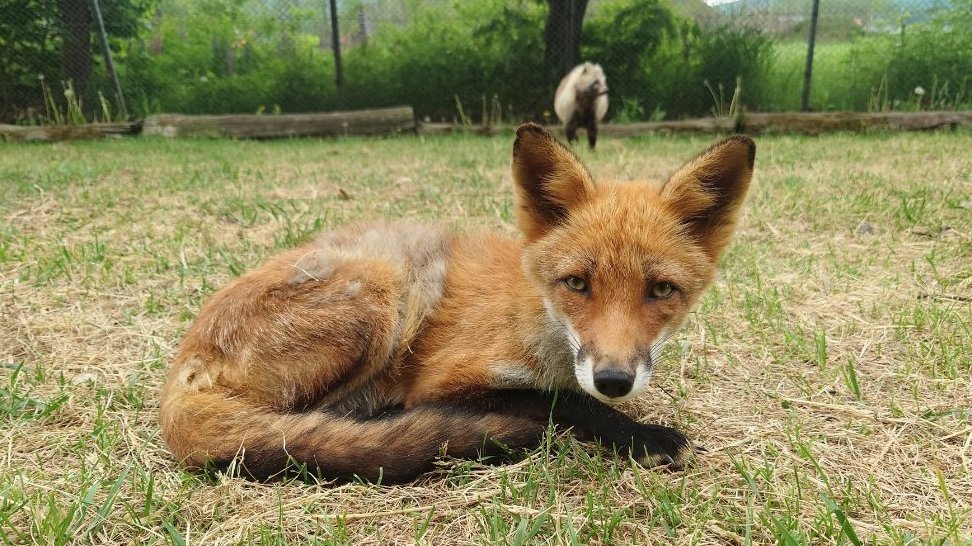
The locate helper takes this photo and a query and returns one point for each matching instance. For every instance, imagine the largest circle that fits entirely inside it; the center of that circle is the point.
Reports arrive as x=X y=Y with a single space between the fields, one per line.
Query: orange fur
x=308 y=357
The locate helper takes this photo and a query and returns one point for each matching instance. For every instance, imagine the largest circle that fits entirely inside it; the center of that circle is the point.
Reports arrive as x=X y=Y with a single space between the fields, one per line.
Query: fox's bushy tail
x=215 y=430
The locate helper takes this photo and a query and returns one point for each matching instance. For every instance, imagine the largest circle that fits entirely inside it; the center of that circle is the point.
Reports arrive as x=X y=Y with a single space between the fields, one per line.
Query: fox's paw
x=656 y=445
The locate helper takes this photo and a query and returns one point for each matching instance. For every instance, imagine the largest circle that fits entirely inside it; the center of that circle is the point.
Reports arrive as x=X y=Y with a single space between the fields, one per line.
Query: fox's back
x=332 y=290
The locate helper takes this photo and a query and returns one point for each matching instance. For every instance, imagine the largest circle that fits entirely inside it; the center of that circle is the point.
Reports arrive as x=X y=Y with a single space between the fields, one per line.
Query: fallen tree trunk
x=435 y=128
x=54 y=133
x=684 y=126
x=815 y=123
x=383 y=121
x=388 y=121
x=702 y=125
x=807 y=123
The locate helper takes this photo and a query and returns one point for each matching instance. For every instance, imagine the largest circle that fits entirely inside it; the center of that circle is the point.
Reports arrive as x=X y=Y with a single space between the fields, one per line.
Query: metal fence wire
x=72 y=61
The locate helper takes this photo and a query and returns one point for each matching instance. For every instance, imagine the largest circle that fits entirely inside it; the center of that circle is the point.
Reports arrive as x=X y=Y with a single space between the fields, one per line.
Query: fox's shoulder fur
x=373 y=349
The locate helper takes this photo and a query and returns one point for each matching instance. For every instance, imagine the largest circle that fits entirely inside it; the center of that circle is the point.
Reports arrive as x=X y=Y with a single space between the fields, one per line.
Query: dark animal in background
x=581 y=101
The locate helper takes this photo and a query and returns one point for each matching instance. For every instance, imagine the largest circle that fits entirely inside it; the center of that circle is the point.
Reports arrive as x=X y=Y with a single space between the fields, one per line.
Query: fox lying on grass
x=371 y=351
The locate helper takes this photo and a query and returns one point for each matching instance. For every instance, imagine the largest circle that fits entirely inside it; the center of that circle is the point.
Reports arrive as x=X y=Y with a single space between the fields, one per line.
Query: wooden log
x=688 y=126
x=55 y=133
x=695 y=126
x=436 y=128
x=383 y=121
x=684 y=126
x=815 y=123
x=808 y=123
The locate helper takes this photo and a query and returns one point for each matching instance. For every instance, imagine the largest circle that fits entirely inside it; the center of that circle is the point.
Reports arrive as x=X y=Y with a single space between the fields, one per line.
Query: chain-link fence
x=62 y=61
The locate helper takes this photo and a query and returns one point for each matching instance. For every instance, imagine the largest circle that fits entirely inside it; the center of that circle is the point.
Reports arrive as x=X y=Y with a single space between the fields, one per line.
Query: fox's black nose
x=613 y=383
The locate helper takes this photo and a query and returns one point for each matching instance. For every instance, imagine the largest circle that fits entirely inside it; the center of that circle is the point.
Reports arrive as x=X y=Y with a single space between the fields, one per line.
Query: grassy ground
x=828 y=371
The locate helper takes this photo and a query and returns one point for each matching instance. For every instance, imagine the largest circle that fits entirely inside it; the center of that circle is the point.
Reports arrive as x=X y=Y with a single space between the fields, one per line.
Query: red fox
x=372 y=351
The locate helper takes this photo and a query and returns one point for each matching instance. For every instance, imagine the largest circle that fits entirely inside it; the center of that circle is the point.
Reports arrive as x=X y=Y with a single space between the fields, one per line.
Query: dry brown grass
x=828 y=372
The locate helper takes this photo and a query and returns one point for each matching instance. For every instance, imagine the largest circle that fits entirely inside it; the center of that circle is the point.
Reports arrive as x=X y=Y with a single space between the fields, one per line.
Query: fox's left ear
x=549 y=180
x=708 y=192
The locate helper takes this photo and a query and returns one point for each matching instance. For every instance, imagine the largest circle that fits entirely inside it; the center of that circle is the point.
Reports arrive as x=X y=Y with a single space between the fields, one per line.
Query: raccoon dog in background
x=581 y=101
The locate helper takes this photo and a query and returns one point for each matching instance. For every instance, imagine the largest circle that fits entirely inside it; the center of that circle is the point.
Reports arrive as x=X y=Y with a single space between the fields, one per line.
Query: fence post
x=109 y=62
x=808 y=71
x=336 y=45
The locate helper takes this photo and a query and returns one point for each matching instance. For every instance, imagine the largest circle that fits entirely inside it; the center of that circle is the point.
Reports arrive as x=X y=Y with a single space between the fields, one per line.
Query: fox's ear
x=708 y=192
x=549 y=180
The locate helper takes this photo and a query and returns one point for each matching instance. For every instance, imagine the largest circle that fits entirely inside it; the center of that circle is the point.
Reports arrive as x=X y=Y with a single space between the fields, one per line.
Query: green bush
x=624 y=37
x=695 y=72
x=467 y=51
x=487 y=57
x=43 y=43
x=222 y=56
x=937 y=58
x=470 y=52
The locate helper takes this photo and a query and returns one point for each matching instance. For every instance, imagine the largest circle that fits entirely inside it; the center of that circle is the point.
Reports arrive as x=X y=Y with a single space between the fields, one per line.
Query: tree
x=626 y=33
x=55 y=39
x=27 y=37
x=624 y=37
x=76 y=41
x=562 y=34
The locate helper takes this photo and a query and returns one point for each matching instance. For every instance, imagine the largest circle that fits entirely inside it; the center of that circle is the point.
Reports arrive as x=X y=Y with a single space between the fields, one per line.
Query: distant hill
x=920 y=10
x=689 y=9
x=877 y=15
x=919 y=6
x=742 y=5
x=693 y=9
x=912 y=6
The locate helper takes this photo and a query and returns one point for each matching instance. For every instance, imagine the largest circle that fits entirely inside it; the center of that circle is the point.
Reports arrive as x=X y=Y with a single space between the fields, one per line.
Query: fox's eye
x=576 y=284
x=662 y=290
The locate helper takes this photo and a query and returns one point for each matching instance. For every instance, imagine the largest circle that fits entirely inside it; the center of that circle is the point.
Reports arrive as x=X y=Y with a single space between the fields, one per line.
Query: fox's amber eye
x=662 y=290
x=576 y=284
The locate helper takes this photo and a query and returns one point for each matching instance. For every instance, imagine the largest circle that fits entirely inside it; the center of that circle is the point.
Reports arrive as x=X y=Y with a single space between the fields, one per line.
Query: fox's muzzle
x=612 y=379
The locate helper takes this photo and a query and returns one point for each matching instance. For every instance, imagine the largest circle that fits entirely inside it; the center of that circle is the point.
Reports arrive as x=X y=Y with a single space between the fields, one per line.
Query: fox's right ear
x=708 y=192
x=549 y=180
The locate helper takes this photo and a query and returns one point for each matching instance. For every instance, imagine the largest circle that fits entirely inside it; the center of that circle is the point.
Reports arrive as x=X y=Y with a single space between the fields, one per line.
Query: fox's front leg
x=590 y=419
